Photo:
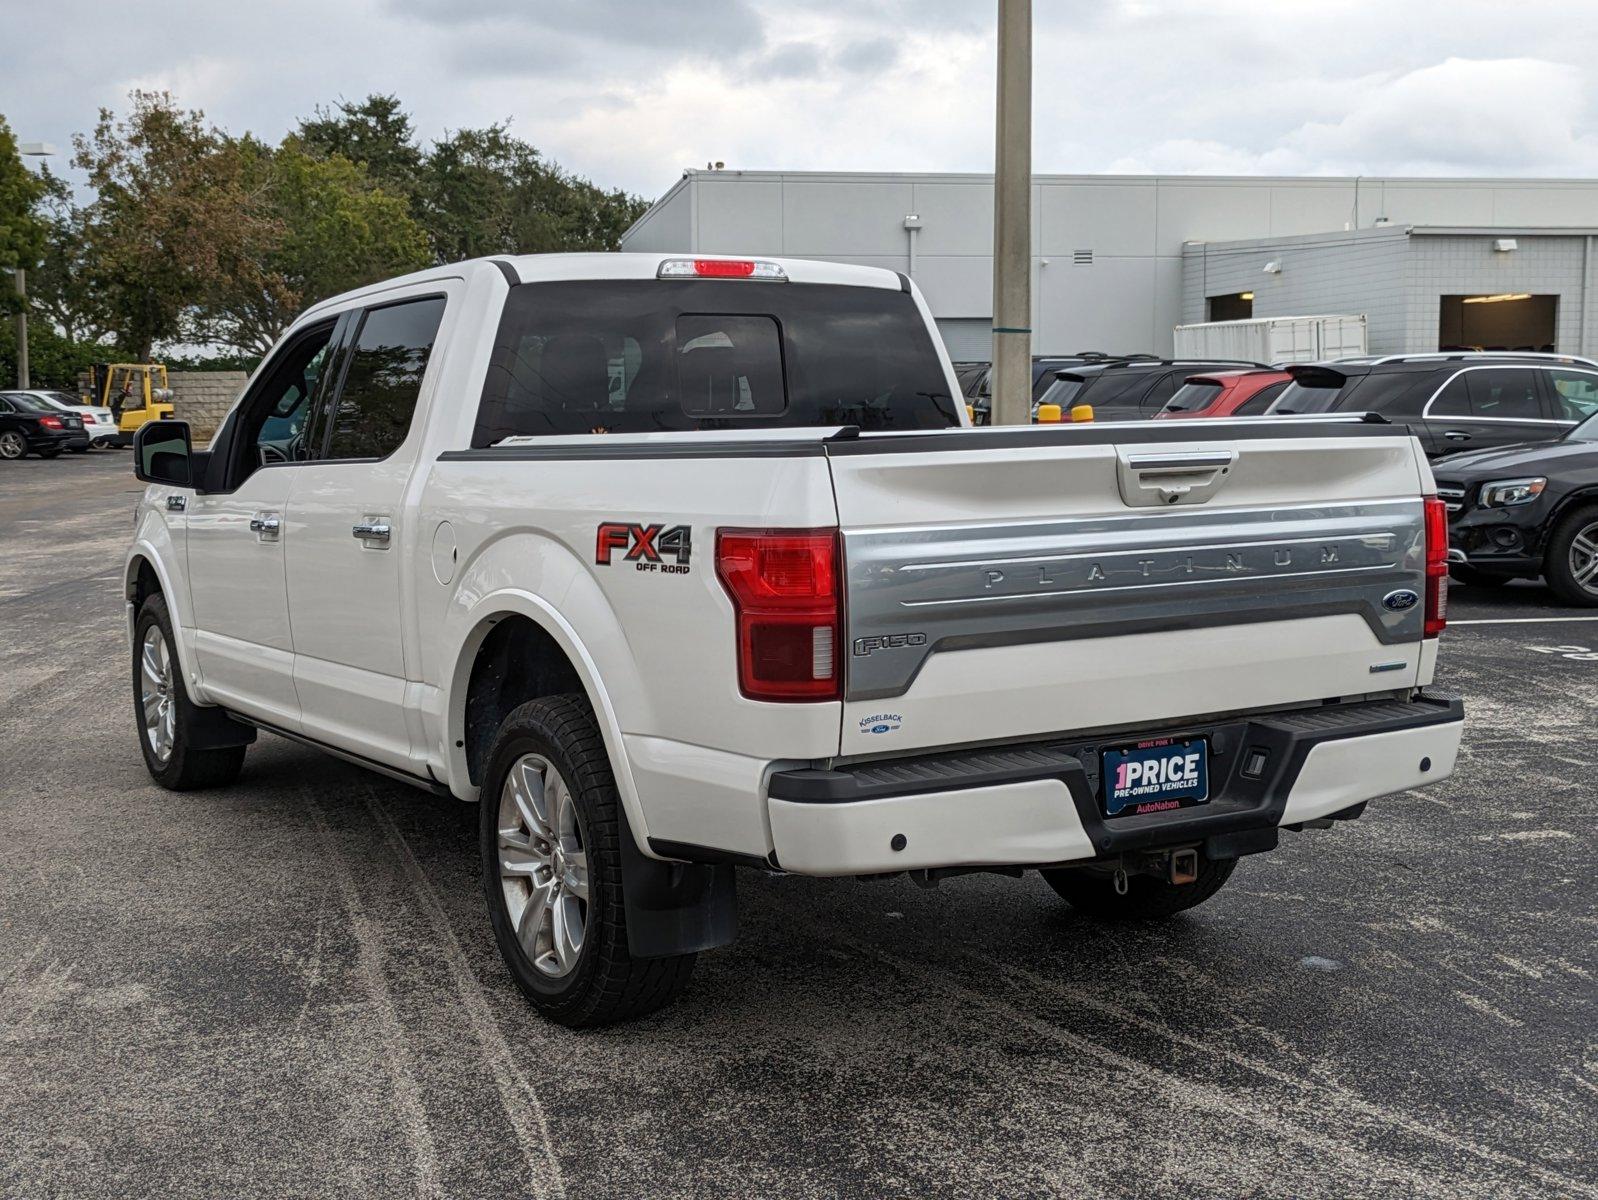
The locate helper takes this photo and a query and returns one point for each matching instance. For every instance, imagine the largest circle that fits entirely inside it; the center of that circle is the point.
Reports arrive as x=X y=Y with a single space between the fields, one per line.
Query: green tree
x=322 y=229
x=22 y=231
x=376 y=134
x=475 y=191
x=60 y=287
x=171 y=220
x=483 y=191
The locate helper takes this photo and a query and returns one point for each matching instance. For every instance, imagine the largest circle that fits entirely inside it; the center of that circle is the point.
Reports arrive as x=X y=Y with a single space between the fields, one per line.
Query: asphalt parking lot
x=288 y=988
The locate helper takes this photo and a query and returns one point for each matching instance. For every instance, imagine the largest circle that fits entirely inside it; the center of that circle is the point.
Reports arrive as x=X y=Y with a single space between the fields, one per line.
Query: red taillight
x=1436 y=566
x=724 y=267
x=50 y=422
x=785 y=591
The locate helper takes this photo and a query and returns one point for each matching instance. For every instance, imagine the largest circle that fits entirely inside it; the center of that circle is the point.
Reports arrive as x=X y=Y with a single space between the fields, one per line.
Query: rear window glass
x=1296 y=398
x=646 y=356
x=1114 y=390
x=1193 y=397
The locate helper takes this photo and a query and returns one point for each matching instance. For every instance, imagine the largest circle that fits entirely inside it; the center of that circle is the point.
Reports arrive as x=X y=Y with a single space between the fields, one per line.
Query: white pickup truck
x=677 y=565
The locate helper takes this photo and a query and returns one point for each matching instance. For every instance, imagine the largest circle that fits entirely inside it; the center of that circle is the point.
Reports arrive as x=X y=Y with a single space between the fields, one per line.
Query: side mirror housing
x=162 y=453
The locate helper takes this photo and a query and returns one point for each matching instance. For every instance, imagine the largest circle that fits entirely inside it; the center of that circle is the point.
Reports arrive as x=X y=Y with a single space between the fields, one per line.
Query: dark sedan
x=30 y=426
x=1516 y=512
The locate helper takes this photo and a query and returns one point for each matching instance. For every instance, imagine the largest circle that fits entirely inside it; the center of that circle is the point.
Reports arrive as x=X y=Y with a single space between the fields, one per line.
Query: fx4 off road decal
x=647 y=547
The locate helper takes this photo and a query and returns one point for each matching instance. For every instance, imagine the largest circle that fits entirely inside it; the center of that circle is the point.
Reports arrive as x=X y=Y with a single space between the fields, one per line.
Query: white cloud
x=631 y=91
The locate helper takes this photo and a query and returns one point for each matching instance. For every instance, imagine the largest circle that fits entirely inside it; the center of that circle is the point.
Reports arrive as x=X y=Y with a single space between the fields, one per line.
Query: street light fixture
x=31 y=150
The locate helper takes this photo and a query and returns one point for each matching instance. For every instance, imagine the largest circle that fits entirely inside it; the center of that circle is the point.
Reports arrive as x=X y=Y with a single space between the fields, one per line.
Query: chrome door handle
x=371 y=531
x=267 y=525
x=1455 y=435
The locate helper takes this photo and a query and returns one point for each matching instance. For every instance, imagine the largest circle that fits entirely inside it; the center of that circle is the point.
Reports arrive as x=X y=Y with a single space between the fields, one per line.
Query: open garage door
x=968 y=339
x=1505 y=321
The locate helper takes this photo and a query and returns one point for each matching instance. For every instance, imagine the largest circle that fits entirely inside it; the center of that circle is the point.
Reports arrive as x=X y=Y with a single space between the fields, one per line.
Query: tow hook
x=1184 y=866
x=1120 y=881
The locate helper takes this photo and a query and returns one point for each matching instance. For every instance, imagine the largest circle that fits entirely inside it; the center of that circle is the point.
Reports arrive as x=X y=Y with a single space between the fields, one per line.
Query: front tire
x=165 y=715
x=1147 y=898
x=550 y=826
x=1571 y=567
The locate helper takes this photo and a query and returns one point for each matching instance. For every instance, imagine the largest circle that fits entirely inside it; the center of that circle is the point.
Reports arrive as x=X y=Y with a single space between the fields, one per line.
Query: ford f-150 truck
x=679 y=565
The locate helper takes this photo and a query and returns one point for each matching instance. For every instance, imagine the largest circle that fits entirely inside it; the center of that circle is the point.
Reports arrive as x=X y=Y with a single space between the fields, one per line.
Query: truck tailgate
x=1028 y=582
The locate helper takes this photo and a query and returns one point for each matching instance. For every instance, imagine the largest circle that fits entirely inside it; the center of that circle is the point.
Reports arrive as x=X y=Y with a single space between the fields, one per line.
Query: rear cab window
x=1193 y=396
x=650 y=356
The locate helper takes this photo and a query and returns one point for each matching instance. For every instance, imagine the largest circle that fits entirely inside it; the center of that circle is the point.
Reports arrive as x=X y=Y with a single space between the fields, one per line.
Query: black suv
x=976 y=379
x=1127 y=389
x=1453 y=402
x=1528 y=510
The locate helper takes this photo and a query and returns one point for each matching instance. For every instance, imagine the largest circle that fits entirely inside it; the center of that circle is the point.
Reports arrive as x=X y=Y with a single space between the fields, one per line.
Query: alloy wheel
x=543 y=864
x=12 y=444
x=157 y=701
x=1584 y=558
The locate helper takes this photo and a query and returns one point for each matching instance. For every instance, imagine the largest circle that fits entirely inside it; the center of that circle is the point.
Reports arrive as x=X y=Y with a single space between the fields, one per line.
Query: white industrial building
x=1119 y=261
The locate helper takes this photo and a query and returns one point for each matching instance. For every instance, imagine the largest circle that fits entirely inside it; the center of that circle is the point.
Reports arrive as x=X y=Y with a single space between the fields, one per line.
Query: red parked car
x=1226 y=394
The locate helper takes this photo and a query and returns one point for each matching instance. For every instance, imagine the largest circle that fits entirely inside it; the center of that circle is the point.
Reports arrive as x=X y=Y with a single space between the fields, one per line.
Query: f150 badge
x=647 y=547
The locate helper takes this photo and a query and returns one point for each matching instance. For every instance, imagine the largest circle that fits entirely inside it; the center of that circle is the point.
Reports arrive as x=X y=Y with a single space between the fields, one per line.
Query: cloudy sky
x=629 y=92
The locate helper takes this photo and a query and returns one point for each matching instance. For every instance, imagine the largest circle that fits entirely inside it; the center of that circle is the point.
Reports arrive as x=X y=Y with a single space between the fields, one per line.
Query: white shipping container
x=1274 y=339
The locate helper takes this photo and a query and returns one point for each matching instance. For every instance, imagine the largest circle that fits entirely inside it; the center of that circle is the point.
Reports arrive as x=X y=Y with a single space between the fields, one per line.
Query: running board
x=416 y=781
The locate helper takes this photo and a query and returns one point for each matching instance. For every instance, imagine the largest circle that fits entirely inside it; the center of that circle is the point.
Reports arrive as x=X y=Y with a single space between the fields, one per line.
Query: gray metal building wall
x=1451 y=265
x=1396 y=276
x=1359 y=272
x=1124 y=290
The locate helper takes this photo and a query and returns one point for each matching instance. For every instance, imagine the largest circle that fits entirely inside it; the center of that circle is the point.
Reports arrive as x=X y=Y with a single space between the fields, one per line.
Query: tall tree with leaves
x=171 y=222
x=375 y=134
x=323 y=229
x=60 y=287
x=22 y=230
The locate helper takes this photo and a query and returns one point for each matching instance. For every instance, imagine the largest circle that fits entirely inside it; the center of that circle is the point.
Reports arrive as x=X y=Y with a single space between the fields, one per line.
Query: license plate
x=1156 y=776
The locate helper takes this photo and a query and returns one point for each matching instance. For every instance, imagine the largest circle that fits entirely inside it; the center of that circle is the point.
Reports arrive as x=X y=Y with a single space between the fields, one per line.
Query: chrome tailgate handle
x=1153 y=478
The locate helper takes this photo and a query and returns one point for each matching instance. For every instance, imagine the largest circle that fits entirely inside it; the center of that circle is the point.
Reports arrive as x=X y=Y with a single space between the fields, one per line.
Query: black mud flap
x=211 y=728
x=675 y=908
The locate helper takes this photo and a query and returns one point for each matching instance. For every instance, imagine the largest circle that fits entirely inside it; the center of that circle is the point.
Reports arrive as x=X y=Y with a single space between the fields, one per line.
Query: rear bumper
x=1038 y=804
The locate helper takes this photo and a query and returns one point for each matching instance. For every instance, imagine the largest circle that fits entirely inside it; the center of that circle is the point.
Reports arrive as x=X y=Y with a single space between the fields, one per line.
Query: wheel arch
x=1586 y=494
x=517 y=647
x=145 y=571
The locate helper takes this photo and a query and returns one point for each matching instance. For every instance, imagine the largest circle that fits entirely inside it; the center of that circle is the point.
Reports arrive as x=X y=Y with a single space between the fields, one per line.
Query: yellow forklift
x=134 y=392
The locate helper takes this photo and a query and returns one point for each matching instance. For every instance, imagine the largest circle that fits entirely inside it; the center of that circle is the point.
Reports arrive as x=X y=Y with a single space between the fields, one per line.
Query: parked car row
x=1513 y=437
x=49 y=423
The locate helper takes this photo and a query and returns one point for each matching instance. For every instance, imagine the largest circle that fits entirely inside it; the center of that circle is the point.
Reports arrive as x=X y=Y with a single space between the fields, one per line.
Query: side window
x=1574 y=393
x=372 y=413
x=274 y=416
x=1164 y=388
x=1454 y=399
x=1507 y=394
x=730 y=366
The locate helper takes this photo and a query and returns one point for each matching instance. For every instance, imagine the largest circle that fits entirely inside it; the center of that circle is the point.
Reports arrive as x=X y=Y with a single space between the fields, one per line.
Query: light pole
x=31 y=150
x=1012 y=219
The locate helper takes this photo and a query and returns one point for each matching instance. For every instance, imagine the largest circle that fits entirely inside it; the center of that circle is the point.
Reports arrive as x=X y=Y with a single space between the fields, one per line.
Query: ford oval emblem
x=1400 y=601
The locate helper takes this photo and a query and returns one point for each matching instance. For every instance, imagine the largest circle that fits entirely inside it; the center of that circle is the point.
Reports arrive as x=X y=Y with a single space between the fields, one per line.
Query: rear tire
x=550 y=827
x=1146 y=899
x=164 y=714
x=1571 y=567
x=1473 y=577
x=13 y=445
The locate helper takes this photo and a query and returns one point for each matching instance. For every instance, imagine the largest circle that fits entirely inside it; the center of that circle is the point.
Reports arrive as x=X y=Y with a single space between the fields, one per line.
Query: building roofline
x=649 y=212
x=695 y=174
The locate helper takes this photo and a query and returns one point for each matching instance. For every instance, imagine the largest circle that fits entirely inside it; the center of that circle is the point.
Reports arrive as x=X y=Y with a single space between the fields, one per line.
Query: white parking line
x=1520 y=621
